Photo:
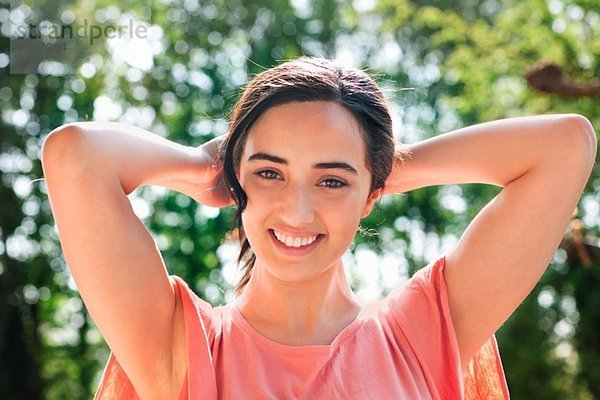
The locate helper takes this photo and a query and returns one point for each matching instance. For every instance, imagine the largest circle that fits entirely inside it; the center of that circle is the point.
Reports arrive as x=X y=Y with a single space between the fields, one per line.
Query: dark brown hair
x=307 y=79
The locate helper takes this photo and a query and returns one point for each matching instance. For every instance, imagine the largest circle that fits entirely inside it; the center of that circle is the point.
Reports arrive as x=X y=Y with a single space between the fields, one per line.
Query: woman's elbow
x=60 y=145
x=581 y=138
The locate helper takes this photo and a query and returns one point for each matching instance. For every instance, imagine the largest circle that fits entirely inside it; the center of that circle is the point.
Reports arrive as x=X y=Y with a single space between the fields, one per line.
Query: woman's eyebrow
x=323 y=165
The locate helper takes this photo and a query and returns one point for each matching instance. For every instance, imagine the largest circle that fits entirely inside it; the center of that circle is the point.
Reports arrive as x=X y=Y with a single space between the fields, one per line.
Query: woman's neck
x=299 y=313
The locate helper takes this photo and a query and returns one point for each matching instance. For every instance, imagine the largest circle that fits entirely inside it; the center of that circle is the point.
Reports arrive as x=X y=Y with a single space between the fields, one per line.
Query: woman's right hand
x=207 y=178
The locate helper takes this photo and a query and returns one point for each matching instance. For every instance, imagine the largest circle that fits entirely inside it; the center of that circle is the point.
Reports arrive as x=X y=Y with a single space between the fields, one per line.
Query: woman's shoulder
x=193 y=305
x=425 y=283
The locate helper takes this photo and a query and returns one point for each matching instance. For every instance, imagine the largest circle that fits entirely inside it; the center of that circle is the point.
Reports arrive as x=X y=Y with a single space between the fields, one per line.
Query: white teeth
x=289 y=242
x=294 y=242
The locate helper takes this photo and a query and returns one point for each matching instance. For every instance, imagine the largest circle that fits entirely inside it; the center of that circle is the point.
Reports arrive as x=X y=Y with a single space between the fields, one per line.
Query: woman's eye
x=267 y=174
x=329 y=183
x=334 y=183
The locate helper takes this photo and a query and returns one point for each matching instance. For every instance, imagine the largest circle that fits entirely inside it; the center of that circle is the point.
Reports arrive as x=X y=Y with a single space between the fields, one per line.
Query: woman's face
x=304 y=171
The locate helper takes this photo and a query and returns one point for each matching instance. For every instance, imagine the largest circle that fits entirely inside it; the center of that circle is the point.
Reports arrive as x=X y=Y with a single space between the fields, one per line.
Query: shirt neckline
x=248 y=329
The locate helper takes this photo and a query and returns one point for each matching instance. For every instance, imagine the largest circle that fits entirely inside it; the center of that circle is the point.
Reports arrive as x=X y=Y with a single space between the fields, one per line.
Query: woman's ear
x=370 y=202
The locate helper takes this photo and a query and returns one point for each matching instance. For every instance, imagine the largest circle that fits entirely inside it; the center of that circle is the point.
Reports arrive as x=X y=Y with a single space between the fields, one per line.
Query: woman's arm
x=89 y=170
x=137 y=157
x=543 y=164
x=495 y=152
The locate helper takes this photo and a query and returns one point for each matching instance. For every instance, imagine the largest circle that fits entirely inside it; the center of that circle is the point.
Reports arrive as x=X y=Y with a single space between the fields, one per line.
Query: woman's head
x=347 y=93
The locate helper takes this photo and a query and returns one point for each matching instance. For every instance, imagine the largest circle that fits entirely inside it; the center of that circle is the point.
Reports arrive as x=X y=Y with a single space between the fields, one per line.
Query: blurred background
x=175 y=67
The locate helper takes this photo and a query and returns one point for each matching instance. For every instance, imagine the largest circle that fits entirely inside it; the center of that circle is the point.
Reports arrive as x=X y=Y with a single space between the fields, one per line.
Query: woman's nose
x=297 y=207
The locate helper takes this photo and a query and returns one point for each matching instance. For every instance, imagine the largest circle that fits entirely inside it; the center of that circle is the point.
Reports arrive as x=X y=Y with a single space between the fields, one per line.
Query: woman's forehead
x=313 y=130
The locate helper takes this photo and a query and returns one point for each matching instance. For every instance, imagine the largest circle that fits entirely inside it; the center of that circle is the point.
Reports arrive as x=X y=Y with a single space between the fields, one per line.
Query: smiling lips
x=294 y=241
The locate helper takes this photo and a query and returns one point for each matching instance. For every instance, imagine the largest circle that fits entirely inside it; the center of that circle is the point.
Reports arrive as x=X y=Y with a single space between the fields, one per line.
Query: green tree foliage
x=481 y=51
x=461 y=62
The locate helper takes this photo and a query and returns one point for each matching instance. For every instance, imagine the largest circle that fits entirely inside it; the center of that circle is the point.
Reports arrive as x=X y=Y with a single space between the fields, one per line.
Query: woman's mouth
x=295 y=245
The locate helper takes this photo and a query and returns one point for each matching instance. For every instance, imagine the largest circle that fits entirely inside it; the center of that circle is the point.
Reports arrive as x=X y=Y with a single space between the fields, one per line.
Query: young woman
x=309 y=151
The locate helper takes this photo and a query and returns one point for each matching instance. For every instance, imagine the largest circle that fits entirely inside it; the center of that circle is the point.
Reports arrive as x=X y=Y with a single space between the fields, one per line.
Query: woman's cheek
x=347 y=203
x=262 y=197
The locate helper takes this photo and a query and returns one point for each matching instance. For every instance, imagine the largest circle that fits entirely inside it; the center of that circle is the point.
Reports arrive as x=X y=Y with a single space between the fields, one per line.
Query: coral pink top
x=402 y=347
